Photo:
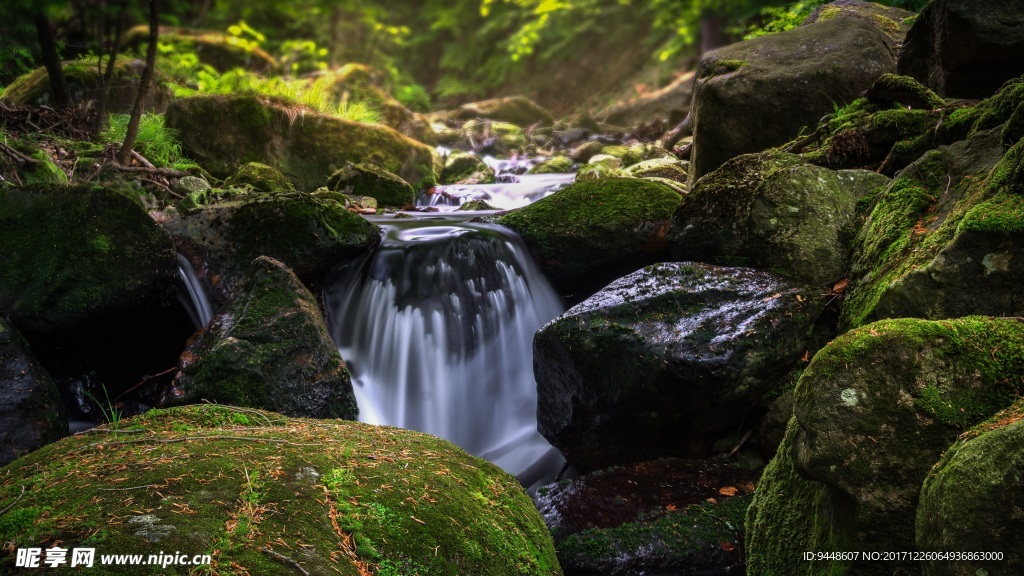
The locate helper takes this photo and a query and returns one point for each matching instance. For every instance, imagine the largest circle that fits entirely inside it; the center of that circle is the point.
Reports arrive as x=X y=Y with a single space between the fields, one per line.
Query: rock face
x=666 y=360
x=33 y=89
x=308 y=233
x=974 y=497
x=370 y=180
x=874 y=411
x=760 y=93
x=516 y=110
x=224 y=132
x=773 y=211
x=667 y=516
x=324 y=495
x=943 y=239
x=593 y=232
x=31 y=411
x=268 y=348
x=962 y=51
x=213 y=48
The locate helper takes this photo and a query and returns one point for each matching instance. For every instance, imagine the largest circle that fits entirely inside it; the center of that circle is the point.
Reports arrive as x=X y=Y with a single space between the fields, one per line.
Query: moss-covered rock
x=370 y=180
x=874 y=411
x=668 y=168
x=308 y=233
x=940 y=241
x=584 y=152
x=773 y=211
x=31 y=411
x=474 y=205
x=221 y=51
x=465 y=168
x=760 y=93
x=267 y=348
x=895 y=22
x=666 y=360
x=188 y=185
x=905 y=91
x=44 y=172
x=517 y=110
x=973 y=499
x=591 y=232
x=224 y=132
x=597 y=171
x=72 y=257
x=82 y=77
x=260 y=177
x=556 y=165
x=262 y=493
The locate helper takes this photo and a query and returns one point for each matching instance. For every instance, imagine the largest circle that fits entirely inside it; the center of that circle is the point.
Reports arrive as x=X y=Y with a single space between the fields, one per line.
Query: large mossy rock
x=221 y=51
x=592 y=232
x=72 y=257
x=760 y=93
x=360 y=83
x=31 y=411
x=259 y=177
x=665 y=361
x=370 y=180
x=974 y=499
x=668 y=516
x=943 y=239
x=267 y=348
x=773 y=211
x=517 y=110
x=465 y=168
x=308 y=233
x=82 y=77
x=224 y=132
x=874 y=411
x=263 y=494
x=963 y=52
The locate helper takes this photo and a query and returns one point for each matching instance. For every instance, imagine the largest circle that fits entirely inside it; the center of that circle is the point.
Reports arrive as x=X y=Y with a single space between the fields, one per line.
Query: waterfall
x=201 y=309
x=512 y=192
x=437 y=326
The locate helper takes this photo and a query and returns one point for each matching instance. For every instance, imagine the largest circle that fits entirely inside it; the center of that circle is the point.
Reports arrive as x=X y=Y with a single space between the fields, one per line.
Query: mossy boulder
x=904 y=91
x=668 y=516
x=263 y=494
x=260 y=177
x=31 y=410
x=973 y=499
x=668 y=168
x=370 y=180
x=556 y=165
x=308 y=233
x=74 y=257
x=44 y=172
x=773 y=211
x=761 y=93
x=592 y=232
x=667 y=360
x=893 y=21
x=465 y=168
x=962 y=52
x=221 y=51
x=82 y=77
x=940 y=241
x=267 y=348
x=874 y=411
x=517 y=110
x=585 y=151
x=224 y=132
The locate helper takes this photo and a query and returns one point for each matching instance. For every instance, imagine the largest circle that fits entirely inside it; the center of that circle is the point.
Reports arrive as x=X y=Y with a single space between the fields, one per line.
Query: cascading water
x=201 y=309
x=437 y=326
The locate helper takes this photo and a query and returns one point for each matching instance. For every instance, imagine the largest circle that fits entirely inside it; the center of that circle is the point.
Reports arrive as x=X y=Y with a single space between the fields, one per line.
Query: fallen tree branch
x=17 y=155
x=11 y=505
x=285 y=559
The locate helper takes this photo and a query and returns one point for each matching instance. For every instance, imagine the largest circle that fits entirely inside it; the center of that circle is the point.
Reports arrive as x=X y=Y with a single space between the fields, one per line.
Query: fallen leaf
x=728 y=491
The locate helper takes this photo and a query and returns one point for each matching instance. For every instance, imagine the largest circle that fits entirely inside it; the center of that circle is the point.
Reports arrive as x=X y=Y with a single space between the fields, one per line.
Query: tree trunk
x=712 y=31
x=335 y=36
x=51 y=60
x=107 y=74
x=124 y=155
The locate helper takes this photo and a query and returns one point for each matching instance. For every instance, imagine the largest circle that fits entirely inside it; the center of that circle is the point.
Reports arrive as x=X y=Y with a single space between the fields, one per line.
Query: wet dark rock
x=963 y=50
x=31 y=411
x=667 y=360
x=667 y=516
x=268 y=348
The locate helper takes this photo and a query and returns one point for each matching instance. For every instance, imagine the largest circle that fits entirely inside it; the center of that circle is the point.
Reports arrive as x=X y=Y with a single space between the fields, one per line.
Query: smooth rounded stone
x=606 y=160
x=222 y=132
x=371 y=180
x=667 y=360
x=260 y=177
x=663 y=516
x=267 y=348
x=465 y=168
x=32 y=413
x=974 y=499
x=874 y=411
x=668 y=168
x=516 y=110
x=962 y=51
x=556 y=165
x=773 y=211
x=189 y=184
x=264 y=493
x=584 y=152
x=309 y=233
x=760 y=93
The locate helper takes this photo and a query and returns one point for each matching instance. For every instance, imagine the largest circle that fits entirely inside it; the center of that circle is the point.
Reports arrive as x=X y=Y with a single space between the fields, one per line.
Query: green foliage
x=110 y=412
x=156 y=142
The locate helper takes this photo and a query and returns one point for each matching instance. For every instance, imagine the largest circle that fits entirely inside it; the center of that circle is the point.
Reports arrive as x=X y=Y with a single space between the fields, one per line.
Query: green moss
x=465 y=168
x=896 y=89
x=261 y=178
x=332 y=495
x=370 y=180
x=712 y=67
x=556 y=165
x=44 y=172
